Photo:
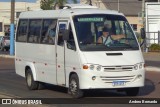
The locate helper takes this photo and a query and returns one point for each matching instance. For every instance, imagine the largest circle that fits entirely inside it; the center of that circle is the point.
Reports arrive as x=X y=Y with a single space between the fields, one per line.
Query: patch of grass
x=154 y=47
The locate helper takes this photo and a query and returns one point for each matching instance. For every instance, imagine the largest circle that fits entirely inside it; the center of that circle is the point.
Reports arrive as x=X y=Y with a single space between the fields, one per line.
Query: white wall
x=5 y=12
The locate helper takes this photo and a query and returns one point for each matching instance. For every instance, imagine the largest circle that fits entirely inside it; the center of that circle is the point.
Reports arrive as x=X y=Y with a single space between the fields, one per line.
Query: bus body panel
x=126 y=57
x=40 y=57
x=48 y=68
x=72 y=64
x=114 y=68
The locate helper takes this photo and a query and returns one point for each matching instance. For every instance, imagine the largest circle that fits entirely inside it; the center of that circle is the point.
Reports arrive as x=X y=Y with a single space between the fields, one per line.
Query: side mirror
x=143 y=33
x=65 y=34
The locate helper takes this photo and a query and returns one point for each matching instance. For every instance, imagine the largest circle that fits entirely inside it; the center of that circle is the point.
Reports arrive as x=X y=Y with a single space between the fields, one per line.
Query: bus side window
x=34 y=31
x=60 y=37
x=48 y=31
x=71 y=42
x=22 y=30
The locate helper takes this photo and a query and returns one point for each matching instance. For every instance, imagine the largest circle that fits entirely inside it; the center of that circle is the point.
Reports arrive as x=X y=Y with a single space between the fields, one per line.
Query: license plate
x=118 y=83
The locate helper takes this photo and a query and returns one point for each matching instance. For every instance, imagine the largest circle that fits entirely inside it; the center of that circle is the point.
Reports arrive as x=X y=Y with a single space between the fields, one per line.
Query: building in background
x=152 y=28
x=5 y=13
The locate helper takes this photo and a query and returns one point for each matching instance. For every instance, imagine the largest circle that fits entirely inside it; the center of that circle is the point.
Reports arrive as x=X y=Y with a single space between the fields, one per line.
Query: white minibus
x=79 y=47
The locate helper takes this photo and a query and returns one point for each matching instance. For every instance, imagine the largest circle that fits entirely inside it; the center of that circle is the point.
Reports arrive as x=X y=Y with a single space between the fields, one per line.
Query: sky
x=28 y=0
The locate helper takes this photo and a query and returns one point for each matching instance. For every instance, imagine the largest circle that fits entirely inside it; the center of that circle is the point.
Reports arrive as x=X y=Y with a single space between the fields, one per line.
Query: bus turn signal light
x=85 y=67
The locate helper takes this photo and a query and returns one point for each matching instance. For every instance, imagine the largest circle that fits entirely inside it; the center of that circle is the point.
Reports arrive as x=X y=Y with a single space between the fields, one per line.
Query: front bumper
x=112 y=80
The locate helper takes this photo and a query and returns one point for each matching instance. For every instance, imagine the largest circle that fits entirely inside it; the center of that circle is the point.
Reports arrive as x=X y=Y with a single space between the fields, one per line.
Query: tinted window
x=34 y=30
x=48 y=31
x=62 y=27
x=22 y=30
x=71 y=42
x=118 y=34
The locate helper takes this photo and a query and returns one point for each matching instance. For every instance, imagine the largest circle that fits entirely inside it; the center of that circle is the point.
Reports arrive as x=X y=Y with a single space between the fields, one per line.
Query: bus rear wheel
x=32 y=85
x=132 y=91
x=74 y=89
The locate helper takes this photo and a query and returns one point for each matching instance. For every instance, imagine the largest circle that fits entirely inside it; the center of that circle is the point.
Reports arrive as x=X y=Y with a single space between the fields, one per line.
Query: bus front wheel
x=32 y=85
x=74 y=89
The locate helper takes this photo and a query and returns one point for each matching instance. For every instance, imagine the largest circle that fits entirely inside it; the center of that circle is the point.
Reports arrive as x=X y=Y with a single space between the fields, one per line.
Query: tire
x=132 y=91
x=74 y=89
x=41 y=85
x=7 y=49
x=32 y=85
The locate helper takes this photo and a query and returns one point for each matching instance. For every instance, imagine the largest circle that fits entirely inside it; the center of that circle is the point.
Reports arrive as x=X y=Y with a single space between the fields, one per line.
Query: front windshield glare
x=104 y=33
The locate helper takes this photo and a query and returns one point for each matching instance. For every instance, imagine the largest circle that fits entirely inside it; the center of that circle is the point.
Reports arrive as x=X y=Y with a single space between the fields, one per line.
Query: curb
x=7 y=56
x=152 y=68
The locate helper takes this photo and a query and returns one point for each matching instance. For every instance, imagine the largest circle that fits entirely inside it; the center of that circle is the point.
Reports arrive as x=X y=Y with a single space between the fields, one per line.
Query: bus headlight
x=140 y=65
x=91 y=67
x=135 y=67
x=99 y=68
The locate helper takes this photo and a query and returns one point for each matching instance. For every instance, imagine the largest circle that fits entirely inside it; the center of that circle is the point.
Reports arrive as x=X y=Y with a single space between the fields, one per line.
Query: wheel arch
x=69 y=76
x=71 y=73
x=33 y=70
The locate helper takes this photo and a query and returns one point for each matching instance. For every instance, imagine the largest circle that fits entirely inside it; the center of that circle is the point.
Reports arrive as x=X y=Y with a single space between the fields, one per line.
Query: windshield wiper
x=105 y=46
x=95 y=47
x=129 y=46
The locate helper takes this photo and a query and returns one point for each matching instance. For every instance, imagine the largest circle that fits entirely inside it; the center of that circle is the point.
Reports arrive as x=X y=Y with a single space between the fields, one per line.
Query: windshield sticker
x=94 y=19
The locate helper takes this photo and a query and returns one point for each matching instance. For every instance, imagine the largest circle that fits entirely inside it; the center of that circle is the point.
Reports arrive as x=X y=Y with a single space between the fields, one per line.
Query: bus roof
x=65 y=13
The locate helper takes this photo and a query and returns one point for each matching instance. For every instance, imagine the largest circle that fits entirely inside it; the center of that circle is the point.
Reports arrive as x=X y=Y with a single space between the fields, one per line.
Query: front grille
x=110 y=79
x=117 y=68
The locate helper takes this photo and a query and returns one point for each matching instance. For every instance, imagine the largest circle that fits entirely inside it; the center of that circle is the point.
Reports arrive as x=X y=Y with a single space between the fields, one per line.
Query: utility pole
x=143 y=9
x=12 y=27
x=145 y=49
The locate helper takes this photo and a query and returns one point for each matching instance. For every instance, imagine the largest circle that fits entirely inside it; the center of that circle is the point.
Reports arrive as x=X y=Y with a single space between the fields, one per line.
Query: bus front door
x=61 y=77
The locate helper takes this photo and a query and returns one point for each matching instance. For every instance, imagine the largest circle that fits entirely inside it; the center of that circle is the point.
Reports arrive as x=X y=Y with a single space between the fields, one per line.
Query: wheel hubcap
x=73 y=86
x=29 y=79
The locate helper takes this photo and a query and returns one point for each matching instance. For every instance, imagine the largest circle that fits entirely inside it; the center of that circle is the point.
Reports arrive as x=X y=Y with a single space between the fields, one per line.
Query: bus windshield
x=91 y=31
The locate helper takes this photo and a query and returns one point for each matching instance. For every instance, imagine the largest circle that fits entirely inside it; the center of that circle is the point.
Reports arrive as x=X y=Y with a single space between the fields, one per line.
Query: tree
x=46 y=4
x=52 y=4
